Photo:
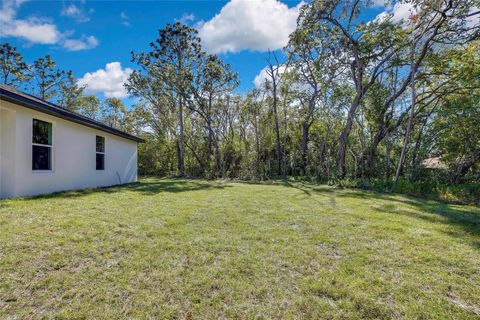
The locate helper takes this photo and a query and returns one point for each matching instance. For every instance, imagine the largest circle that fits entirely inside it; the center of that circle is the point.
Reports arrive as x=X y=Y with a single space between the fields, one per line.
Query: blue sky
x=85 y=36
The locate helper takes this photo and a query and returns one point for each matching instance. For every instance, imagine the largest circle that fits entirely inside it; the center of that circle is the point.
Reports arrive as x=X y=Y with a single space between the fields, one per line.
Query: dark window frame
x=48 y=146
x=100 y=153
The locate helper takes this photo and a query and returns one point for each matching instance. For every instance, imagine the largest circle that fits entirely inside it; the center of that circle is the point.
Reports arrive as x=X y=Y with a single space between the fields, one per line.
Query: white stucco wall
x=73 y=156
x=7 y=152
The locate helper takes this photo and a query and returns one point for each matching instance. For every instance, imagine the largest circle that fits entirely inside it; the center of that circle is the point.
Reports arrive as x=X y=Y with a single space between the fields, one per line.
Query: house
x=45 y=148
x=434 y=163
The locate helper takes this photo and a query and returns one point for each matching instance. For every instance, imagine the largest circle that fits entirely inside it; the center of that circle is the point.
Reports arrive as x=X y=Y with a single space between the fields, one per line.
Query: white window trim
x=97 y=152
x=43 y=145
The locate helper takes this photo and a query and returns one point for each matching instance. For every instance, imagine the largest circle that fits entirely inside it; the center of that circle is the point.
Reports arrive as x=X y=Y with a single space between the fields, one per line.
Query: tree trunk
x=257 y=148
x=373 y=151
x=409 y=125
x=42 y=90
x=210 y=130
x=217 y=159
x=273 y=74
x=277 y=131
x=464 y=167
x=304 y=146
x=307 y=123
x=388 y=147
x=415 y=162
x=181 y=141
x=285 y=141
x=342 y=140
x=323 y=145
x=209 y=140
x=212 y=150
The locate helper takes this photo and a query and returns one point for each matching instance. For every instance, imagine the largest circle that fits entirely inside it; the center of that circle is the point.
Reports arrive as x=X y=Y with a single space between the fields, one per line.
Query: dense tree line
x=350 y=100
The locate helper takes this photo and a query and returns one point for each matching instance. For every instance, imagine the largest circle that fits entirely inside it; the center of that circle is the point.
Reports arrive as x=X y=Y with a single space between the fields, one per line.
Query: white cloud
x=400 y=12
x=83 y=43
x=9 y=8
x=33 y=29
x=249 y=25
x=186 y=18
x=43 y=33
x=263 y=76
x=75 y=12
x=379 y=3
x=125 y=19
x=38 y=30
x=108 y=81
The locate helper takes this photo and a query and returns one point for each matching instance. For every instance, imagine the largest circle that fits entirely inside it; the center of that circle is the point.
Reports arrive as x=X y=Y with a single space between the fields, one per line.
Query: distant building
x=434 y=163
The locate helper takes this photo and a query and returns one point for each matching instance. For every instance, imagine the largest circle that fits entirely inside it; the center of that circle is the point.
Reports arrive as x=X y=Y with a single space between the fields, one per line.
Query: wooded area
x=353 y=101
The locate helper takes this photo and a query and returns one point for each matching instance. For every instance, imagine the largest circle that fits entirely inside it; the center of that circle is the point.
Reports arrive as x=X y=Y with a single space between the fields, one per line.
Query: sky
x=94 y=38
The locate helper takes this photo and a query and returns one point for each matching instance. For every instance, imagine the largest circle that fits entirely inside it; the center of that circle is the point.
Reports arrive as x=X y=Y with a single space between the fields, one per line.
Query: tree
x=70 y=93
x=365 y=49
x=167 y=70
x=368 y=48
x=89 y=106
x=434 y=27
x=47 y=77
x=413 y=100
x=253 y=110
x=272 y=84
x=14 y=71
x=213 y=79
x=310 y=62
x=458 y=137
x=115 y=114
x=454 y=78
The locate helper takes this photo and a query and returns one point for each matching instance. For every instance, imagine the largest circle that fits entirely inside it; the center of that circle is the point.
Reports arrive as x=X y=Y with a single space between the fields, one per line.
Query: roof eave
x=66 y=115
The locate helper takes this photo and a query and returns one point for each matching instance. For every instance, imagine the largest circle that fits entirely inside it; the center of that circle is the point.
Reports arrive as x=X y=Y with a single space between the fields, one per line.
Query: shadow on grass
x=305 y=187
x=302 y=188
x=467 y=218
x=150 y=187
x=145 y=187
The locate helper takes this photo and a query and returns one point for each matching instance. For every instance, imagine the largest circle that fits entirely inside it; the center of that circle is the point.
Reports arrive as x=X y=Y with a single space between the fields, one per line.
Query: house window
x=41 y=145
x=100 y=153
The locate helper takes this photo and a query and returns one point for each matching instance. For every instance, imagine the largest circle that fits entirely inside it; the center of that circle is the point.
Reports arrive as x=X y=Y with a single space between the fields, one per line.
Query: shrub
x=425 y=188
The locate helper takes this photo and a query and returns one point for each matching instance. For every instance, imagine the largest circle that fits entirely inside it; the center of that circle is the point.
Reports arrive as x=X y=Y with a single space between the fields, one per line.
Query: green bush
x=425 y=188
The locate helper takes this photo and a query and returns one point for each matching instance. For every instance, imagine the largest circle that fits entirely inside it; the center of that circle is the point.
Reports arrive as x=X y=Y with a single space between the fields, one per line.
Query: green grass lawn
x=194 y=249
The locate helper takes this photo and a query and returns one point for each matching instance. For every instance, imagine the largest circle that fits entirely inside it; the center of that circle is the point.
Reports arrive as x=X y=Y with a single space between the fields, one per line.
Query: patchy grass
x=181 y=249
